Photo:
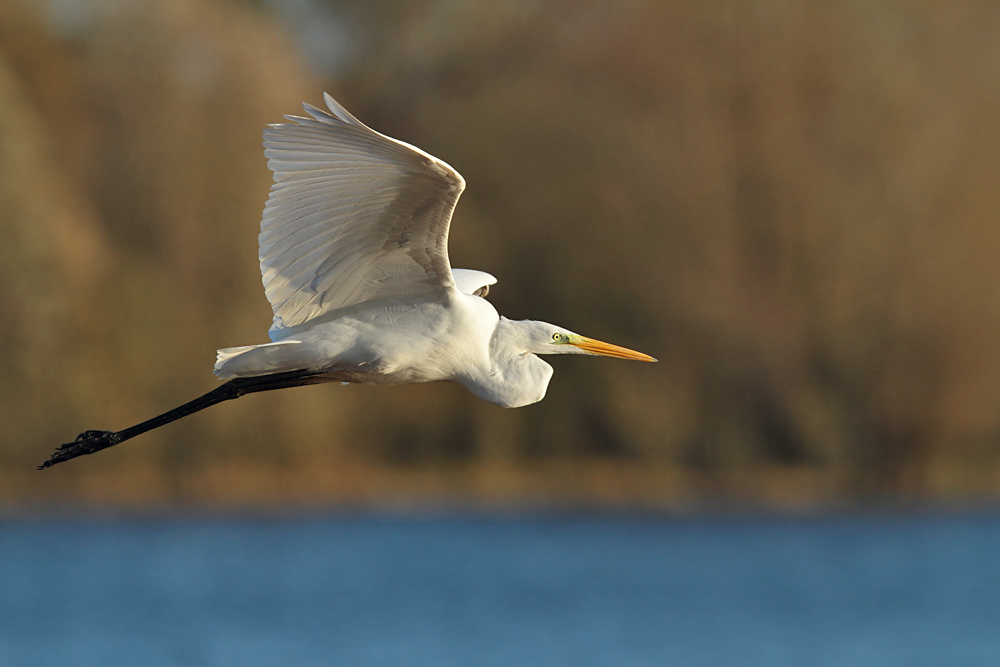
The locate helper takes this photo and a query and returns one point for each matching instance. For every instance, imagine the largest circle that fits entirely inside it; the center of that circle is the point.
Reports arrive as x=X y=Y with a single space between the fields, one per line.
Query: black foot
x=87 y=442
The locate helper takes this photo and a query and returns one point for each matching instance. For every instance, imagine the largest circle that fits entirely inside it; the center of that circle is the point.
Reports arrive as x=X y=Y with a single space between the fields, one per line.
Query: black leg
x=89 y=442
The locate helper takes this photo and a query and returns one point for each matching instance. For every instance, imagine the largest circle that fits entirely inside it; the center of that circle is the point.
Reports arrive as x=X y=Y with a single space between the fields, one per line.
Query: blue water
x=480 y=590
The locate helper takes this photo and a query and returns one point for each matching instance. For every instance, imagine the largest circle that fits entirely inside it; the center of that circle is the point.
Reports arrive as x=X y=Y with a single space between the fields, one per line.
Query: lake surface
x=505 y=591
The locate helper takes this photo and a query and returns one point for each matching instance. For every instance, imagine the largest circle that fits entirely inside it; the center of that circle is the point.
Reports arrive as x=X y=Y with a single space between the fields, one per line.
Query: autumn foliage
x=794 y=206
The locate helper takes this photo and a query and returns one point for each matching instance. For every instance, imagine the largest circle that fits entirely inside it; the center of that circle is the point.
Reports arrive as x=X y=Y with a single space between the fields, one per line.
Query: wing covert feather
x=352 y=216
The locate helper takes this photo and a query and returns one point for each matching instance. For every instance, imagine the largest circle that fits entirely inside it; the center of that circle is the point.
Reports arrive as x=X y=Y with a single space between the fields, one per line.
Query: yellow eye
x=556 y=337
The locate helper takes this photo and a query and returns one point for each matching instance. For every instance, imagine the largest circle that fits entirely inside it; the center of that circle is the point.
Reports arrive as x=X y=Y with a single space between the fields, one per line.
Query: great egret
x=354 y=257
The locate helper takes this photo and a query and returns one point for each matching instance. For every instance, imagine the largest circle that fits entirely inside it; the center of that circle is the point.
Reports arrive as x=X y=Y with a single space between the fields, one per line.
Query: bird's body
x=354 y=260
x=464 y=340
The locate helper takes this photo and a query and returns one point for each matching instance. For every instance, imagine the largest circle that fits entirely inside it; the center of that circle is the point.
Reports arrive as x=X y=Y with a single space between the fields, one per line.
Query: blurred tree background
x=792 y=205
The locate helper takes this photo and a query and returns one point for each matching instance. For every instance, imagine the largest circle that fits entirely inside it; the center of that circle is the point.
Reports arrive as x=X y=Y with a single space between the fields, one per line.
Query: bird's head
x=518 y=375
x=545 y=338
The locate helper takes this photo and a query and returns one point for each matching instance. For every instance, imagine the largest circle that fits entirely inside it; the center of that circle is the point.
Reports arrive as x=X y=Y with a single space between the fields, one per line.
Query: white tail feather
x=251 y=360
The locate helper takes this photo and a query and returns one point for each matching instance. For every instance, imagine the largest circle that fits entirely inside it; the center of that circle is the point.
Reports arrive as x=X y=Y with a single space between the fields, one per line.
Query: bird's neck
x=515 y=377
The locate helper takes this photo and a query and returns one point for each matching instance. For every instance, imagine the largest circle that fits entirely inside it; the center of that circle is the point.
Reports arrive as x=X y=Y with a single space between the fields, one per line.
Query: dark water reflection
x=480 y=590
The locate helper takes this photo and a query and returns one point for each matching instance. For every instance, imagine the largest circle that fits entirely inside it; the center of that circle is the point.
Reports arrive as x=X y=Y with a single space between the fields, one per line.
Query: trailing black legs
x=89 y=442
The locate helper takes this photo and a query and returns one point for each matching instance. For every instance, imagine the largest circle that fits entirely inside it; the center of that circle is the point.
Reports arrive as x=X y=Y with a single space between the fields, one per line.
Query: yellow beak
x=607 y=349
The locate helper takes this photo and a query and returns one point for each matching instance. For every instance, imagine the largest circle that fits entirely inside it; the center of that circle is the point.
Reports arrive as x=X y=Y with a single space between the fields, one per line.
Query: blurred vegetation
x=792 y=205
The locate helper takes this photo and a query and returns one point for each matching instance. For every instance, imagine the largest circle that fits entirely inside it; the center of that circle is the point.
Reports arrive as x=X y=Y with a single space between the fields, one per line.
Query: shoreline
x=350 y=485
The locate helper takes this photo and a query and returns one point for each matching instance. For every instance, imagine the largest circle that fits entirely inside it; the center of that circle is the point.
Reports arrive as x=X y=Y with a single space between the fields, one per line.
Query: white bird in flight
x=354 y=258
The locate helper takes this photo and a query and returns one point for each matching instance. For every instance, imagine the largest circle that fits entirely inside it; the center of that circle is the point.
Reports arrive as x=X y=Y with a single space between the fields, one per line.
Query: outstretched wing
x=353 y=216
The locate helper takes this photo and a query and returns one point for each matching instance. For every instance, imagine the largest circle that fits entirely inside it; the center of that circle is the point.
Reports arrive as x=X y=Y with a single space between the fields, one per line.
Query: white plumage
x=353 y=216
x=354 y=259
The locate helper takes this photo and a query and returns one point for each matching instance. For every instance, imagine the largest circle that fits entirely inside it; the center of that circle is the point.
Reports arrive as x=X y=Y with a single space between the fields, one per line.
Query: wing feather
x=353 y=216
